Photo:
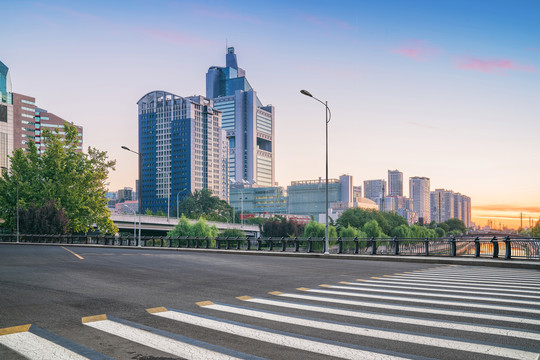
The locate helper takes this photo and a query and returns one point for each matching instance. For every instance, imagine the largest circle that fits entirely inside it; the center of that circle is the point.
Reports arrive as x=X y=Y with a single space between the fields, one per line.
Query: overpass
x=159 y=225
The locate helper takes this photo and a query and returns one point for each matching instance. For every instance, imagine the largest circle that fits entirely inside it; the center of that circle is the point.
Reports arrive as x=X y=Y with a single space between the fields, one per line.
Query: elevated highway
x=159 y=225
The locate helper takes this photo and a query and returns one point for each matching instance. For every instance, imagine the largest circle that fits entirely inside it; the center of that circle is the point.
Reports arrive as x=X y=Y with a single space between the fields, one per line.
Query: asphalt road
x=53 y=288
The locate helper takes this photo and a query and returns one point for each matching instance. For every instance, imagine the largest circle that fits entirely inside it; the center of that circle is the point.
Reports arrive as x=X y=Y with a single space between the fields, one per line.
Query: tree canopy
x=198 y=229
x=203 y=203
x=73 y=180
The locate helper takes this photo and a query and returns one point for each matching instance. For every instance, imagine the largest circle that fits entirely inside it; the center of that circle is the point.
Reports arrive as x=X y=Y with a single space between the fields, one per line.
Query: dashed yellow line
x=89 y=319
x=156 y=310
x=77 y=255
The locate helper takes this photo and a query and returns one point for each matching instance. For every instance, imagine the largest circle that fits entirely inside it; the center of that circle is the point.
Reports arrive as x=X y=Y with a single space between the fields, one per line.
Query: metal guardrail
x=494 y=247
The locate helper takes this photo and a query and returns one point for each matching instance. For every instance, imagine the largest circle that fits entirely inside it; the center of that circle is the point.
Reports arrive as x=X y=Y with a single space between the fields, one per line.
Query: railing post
x=283 y=244
x=495 y=247
x=227 y=243
x=426 y=244
x=356 y=245
x=396 y=246
x=452 y=246
x=296 y=244
x=207 y=242
x=508 y=248
x=271 y=244
x=373 y=246
x=218 y=243
x=310 y=245
x=476 y=247
x=238 y=243
x=340 y=245
x=248 y=245
x=259 y=243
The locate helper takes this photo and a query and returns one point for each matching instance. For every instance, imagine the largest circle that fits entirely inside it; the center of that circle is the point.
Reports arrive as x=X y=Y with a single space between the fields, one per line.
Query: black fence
x=494 y=247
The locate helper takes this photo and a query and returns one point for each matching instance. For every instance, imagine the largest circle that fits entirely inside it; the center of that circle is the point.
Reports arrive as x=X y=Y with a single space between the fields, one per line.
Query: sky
x=448 y=90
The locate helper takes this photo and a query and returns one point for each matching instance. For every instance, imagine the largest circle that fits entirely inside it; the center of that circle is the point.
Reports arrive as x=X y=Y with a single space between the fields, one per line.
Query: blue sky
x=443 y=89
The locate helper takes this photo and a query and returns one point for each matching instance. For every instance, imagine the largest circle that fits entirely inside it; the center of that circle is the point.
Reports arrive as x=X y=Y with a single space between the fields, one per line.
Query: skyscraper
x=395 y=183
x=182 y=149
x=249 y=124
x=375 y=190
x=419 y=193
x=6 y=116
x=442 y=205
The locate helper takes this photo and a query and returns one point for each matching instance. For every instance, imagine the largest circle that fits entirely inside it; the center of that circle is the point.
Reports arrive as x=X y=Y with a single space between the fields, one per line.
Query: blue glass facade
x=182 y=149
x=249 y=125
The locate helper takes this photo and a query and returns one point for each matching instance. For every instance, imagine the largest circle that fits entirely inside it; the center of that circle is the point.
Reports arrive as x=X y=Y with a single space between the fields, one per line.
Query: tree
x=203 y=203
x=372 y=229
x=199 y=229
x=317 y=230
x=359 y=217
x=232 y=233
x=440 y=232
x=46 y=219
x=351 y=232
x=76 y=181
x=444 y=226
x=401 y=232
x=535 y=231
x=456 y=224
x=281 y=227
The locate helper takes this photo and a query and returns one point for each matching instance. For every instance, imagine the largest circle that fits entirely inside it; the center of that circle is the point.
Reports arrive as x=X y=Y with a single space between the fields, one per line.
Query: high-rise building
x=419 y=194
x=375 y=190
x=6 y=116
x=395 y=183
x=182 y=149
x=249 y=124
x=31 y=121
x=442 y=205
x=462 y=208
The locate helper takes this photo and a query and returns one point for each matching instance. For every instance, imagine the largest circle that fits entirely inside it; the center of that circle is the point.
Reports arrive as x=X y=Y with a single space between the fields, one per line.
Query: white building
x=395 y=183
x=419 y=194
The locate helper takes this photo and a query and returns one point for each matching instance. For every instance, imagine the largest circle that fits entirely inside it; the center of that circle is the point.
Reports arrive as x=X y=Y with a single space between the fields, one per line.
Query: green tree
x=203 y=203
x=440 y=232
x=418 y=231
x=232 y=233
x=76 y=181
x=281 y=227
x=372 y=229
x=444 y=226
x=160 y=213
x=314 y=229
x=401 y=232
x=535 y=231
x=456 y=224
x=47 y=219
x=351 y=232
x=199 y=229
x=148 y=212
x=359 y=217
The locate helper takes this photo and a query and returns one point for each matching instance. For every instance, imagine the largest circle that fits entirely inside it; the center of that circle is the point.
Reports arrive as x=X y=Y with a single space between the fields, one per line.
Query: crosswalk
x=448 y=312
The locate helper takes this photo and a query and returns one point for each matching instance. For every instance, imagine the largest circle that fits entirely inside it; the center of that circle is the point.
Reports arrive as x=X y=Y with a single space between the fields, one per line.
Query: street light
x=168 y=191
x=178 y=203
x=328 y=116
x=139 y=189
x=134 y=221
x=5 y=168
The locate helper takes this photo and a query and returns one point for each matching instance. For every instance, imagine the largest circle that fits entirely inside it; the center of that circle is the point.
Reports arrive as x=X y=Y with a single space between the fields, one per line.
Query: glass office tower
x=249 y=124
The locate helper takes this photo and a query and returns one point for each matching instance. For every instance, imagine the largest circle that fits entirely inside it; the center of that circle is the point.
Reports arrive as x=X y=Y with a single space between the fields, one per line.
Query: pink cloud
x=418 y=50
x=492 y=66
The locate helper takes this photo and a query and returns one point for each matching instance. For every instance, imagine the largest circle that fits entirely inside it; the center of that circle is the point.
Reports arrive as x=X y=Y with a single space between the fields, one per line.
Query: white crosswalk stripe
x=448 y=312
x=370 y=332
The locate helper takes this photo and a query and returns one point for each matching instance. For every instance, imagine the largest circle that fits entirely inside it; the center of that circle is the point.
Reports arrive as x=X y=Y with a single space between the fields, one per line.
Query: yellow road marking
x=244 y=297
x=157 y=310
x=324 y=285
x=302 y=289
x=362 y=279
x=79 y=256
x=205 y=303
x=275 y=293
x=344 y=282
x=94 y=318
x=14 y=329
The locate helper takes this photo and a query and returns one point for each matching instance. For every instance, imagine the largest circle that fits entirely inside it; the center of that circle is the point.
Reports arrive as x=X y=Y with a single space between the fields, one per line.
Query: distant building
x=308 y=197
x=258 y=200
x=462 y=208
x=395 y=183
x=420 y=196
x=125 y=194
x=249 y=124
x=6 y=116
x=375 y=190
x=182 y=149
x=442 y=205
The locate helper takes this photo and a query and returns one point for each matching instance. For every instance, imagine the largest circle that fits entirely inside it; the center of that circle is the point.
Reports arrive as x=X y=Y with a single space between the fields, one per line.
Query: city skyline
x=444 y=91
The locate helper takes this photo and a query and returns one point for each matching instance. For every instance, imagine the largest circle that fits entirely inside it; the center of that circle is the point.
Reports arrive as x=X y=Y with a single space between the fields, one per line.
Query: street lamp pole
x=328 y=116
x=139 y=189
